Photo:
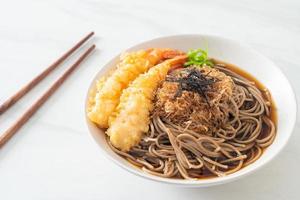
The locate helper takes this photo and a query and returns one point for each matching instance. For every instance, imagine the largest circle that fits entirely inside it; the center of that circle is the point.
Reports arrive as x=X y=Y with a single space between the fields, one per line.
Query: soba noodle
x=171 y=151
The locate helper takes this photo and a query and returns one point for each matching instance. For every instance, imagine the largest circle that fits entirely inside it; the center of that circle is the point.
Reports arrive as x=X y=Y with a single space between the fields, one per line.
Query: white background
x=54 y=157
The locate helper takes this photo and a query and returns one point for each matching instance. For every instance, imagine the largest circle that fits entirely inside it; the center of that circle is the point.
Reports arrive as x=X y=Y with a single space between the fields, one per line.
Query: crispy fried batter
x=132 y=117
x=105 y=98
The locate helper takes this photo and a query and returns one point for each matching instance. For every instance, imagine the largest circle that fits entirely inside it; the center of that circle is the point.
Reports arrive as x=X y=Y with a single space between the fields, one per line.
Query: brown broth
x=258 y=84
x=273 y=112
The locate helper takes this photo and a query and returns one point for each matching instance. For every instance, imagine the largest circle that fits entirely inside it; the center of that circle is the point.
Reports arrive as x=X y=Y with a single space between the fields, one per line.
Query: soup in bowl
x=191 y=110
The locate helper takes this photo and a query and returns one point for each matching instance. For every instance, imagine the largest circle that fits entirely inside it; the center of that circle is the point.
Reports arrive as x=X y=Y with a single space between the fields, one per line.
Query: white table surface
x=54 y=157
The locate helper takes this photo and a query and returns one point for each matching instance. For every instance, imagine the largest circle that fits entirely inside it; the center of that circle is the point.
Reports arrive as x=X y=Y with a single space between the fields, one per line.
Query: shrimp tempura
x=131 y=118
x=106 y=98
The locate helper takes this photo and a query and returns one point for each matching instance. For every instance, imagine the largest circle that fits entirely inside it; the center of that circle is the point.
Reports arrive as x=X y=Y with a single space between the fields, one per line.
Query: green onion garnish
x=198 y=57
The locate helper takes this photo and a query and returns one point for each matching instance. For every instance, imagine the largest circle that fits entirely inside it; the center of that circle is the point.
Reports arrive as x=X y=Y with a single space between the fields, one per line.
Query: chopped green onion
x=198 y=57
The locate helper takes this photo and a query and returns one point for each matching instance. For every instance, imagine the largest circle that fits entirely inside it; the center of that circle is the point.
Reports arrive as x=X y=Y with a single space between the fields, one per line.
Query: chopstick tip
x=89 y=36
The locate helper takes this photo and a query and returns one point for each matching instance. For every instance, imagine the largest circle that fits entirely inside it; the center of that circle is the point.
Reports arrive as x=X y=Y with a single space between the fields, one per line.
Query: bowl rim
x=210 y=181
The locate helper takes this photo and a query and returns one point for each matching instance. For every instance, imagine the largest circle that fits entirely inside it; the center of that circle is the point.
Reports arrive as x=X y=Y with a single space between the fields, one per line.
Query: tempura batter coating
x=106 y=98
x=131 y=118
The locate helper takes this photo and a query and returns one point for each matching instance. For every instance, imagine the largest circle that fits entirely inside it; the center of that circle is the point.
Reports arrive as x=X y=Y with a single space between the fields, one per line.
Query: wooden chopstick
x=34 y=107
x=18 y=95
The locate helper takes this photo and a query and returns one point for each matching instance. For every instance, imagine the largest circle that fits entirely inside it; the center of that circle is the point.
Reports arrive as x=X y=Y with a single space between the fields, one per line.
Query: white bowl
x=232 y=52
